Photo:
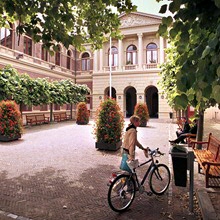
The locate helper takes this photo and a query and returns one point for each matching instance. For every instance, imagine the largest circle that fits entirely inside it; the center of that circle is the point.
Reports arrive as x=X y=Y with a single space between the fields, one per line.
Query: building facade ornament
x=133 y=20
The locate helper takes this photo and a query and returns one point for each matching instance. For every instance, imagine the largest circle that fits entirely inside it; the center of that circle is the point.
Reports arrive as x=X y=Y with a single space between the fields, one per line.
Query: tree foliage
x=24 y=89
x=71 y=22
x=191 y=75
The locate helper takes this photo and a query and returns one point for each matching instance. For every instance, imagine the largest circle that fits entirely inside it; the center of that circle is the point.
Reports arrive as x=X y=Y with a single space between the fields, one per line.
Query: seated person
x=184 y=129
x=181 y=138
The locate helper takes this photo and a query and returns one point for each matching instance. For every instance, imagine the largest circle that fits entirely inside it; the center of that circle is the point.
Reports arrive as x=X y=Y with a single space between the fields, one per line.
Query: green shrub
x=10 y=119
x=109 y=122
x=82 y=114
x=141 y=111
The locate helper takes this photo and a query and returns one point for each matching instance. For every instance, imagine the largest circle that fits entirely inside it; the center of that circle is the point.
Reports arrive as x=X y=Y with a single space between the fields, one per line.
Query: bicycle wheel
x=159 y=179
x=121 y=193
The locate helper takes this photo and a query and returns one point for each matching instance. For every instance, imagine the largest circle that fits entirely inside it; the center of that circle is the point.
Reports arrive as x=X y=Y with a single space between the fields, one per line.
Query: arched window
x=6 y=37
x=27 y=45
x=68 y=60
x=57 y=56
x=113 y=92
x=85 y=62
x=131 y=57
x=114 y=55
x=44 y=54
x=151 y=53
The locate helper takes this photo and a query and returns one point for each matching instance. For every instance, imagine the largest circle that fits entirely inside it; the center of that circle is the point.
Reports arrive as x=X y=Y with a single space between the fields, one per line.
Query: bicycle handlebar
x=155 y=152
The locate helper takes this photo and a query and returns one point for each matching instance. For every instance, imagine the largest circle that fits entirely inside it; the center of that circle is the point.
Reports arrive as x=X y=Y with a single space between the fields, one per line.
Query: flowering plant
x=10 y=119
x=82 y=115
x=109 y=122
x=141 y=111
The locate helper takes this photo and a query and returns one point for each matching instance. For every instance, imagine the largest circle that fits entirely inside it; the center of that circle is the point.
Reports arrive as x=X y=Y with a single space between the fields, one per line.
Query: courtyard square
x=54 y=172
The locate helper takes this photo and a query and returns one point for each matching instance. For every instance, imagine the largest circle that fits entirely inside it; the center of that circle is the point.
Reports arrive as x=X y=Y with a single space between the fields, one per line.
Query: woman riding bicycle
x=130 y=140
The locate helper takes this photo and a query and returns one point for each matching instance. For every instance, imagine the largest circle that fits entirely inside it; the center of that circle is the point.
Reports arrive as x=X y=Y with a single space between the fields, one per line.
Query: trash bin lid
x=179 y=148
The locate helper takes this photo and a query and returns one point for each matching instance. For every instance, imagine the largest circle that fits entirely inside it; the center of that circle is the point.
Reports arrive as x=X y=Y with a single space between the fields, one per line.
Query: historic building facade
x=133 y=64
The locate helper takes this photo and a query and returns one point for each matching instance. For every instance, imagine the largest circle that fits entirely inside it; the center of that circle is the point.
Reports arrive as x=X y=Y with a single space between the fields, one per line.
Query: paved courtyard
x=54 y=172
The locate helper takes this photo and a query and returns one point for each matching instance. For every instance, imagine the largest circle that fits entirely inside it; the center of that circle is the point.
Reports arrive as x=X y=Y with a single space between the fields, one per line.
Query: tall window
x=85 y=61
x=26 y=108
x=43 y=107
x=68 y=60
x=6 y=37
x=56 y=107
x=114 y=55
x=44 y=54
x=57 y=56
x=151 y=53
x=131 y=57
x=28 y=45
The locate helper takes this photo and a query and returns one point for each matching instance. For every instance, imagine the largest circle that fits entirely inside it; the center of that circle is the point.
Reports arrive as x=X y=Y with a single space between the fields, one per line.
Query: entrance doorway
x=131 y=100
x=151 y=95
x=107 y=92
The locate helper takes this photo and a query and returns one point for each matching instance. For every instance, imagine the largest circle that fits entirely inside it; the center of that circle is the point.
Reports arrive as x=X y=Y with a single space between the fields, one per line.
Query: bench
x=60 y=116
x=209 y=160
x=190 y=139
x=36 y=119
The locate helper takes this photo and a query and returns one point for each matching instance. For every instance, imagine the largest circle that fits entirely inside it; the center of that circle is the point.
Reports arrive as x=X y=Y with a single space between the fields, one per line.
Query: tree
x=194 y=33
x=68 y=22
x=25 y=90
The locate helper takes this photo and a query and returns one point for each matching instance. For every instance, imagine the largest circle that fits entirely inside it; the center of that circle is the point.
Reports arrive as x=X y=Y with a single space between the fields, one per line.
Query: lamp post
x=110 y=68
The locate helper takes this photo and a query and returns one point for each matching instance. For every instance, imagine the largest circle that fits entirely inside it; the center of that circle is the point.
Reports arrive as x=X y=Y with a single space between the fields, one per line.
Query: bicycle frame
x=153 y=164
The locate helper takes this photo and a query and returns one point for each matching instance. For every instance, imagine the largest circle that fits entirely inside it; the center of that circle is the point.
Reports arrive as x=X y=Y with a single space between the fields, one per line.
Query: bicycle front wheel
x=159 y=179
x=121 y=193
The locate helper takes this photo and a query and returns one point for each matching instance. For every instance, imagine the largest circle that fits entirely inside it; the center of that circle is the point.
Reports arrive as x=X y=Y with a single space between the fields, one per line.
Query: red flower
x=10 y=119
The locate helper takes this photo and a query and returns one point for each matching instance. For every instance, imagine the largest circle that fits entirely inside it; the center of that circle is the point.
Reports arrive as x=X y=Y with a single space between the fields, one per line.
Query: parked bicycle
x=123 y=186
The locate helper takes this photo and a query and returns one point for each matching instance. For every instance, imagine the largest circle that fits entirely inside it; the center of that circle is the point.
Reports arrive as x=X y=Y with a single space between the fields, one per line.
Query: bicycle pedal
x=149 y=193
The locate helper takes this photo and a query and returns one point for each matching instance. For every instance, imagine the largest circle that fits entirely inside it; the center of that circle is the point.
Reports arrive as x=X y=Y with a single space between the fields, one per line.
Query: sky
x=149 y=6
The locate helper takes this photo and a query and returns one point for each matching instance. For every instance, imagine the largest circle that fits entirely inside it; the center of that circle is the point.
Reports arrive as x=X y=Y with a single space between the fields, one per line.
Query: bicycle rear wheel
x=159 y=179
x=121 y=193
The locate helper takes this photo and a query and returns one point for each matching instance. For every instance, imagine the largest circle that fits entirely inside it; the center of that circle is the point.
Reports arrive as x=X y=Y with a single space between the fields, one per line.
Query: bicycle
x=123 y=186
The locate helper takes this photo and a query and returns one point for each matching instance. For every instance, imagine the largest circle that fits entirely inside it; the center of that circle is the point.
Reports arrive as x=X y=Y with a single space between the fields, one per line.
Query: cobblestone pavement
x=54 y=172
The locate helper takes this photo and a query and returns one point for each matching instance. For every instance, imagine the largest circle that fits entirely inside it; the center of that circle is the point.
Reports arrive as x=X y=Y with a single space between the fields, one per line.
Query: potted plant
x=82 y=114
x=11 y=126
x=109 y=124
x=141 y=110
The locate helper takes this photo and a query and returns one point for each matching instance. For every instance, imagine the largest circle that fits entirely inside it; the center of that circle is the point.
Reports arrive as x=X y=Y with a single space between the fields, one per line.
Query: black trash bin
x=179 y=159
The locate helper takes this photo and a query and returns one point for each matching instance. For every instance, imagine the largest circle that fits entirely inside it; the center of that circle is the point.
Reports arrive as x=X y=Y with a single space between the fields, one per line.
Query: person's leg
x=179 y=139
x=177 y=133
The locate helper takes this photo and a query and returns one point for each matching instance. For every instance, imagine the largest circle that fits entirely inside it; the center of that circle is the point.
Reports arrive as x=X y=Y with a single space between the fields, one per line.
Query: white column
x=120 y=54
x=95 y=62
x=161 y=50
x=140 y=50
x=101 y=60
